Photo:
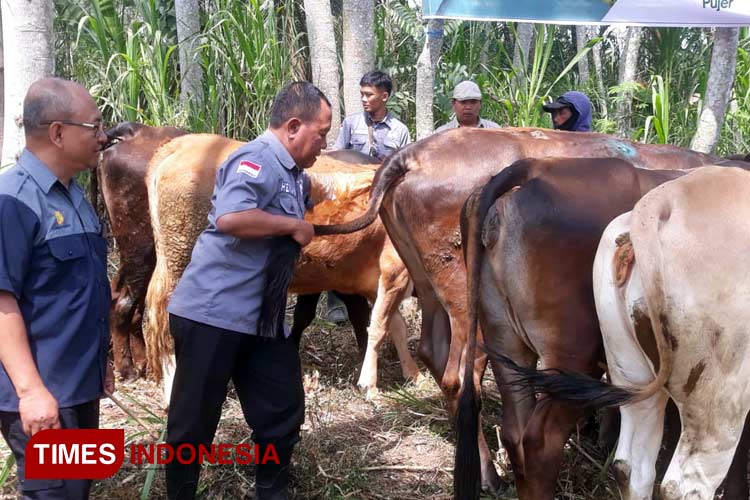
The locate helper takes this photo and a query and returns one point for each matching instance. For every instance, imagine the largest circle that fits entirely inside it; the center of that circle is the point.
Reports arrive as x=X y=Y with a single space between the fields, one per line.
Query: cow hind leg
x=704 y=454
x=358 y=310
x=121 y=318
x=138 y=344
x=304 y=314
x=641 y=430
x=168 y=366
x=544 y=437
x=735 y=485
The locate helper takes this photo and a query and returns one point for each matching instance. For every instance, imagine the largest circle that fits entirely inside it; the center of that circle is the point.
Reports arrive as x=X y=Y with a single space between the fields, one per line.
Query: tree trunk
x=596 y=53
x=582 y=37
x=29 y=44
x=628 y=67
x=2 y=83
x=426 y=64
x=718 y=89
x=358 y=47
x=324 y=60
x=187 y=14
x=524 y=36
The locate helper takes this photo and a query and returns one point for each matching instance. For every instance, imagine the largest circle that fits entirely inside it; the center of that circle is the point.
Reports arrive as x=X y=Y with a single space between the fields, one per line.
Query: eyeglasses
x=96 y=127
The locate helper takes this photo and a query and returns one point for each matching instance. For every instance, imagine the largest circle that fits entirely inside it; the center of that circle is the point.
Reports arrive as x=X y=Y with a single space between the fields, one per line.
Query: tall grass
x=125 y=51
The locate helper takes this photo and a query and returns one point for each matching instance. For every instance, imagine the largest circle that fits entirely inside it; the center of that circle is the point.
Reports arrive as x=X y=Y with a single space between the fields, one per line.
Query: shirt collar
x=38 y=171
x=385 y=121
x=278 y=149
x=458 y=125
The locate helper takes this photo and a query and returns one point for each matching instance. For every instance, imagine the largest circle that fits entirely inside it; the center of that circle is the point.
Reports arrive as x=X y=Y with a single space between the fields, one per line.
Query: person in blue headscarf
x=571 y=111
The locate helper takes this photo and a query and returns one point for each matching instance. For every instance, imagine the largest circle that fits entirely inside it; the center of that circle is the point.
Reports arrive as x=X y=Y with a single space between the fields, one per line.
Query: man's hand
x=109 y=379
x=303 y=233
x=38 y=410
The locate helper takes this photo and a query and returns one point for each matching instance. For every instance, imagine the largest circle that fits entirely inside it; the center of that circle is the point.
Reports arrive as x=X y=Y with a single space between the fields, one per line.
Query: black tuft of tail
x=574 y=388
x=467 y=480
x=279 y=271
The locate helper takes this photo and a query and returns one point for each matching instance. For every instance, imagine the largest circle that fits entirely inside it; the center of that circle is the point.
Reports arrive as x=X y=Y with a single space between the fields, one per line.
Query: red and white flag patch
x=249 y=168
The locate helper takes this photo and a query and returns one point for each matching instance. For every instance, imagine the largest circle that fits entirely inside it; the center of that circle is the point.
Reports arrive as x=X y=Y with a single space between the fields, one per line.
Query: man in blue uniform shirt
x=374 y=132
x=260 y=193
x=54 y=293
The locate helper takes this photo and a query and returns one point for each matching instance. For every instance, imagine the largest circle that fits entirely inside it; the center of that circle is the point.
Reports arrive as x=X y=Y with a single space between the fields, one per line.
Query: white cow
x=672 y=292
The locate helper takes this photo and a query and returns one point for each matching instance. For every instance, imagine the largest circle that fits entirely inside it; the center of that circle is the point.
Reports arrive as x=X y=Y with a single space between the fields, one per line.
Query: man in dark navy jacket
x=54 y=293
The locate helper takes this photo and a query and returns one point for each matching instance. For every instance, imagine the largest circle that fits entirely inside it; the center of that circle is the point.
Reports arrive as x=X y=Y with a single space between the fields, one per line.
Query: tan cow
x=180 y=181
x=671 y=289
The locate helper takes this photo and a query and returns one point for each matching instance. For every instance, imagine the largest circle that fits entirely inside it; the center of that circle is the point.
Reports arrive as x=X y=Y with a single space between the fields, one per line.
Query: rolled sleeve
x=245 y=187
x=18 y=227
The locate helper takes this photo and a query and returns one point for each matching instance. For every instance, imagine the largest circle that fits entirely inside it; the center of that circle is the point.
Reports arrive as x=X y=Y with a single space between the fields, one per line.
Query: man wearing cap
x=571 y=111
x=467 y=103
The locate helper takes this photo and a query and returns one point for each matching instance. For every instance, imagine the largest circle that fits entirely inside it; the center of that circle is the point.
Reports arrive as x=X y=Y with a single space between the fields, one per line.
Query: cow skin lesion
x=622 y=262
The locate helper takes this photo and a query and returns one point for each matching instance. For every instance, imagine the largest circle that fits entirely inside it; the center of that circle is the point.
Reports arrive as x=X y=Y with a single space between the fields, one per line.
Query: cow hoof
x=495 y=485
x=127 y=373
x=622 y=475
x=369 y=393
x=670 y=491
x=416 y=378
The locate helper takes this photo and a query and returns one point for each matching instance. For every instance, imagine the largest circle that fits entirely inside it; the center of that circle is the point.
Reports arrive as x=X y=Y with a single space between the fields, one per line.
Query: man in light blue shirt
x=375 y=131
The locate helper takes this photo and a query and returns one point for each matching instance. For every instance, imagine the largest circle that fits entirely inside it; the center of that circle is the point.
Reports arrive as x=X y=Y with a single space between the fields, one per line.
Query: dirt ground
x=399 y=446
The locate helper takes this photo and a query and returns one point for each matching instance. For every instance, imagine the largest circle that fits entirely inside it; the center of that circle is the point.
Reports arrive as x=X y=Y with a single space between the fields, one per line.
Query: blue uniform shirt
x=54 y=260
x=389 y=135
x=222 y=285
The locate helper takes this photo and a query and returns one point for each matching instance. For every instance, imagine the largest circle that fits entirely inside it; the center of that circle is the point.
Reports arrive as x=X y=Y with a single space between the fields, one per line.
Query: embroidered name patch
x=249 y=168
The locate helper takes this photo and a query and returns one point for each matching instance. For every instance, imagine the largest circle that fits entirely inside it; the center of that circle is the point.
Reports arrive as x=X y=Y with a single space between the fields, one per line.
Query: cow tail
x=646 y=232
x=279 y=271
x=159 y=342
x=467 y=473
x=393 y=169
x=585 y=391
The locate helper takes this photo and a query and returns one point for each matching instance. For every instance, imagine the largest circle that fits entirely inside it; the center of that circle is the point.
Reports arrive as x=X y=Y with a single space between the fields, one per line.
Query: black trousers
x=267 y=377
x=83 y=416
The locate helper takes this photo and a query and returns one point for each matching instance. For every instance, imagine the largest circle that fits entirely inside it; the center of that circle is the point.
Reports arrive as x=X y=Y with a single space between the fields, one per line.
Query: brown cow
x=121 y=175
x=180 y=181
x=533 y=232
x=419 y=192
x=535 y=297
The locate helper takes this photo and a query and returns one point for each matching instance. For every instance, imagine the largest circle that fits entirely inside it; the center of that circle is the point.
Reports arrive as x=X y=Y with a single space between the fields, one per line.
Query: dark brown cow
x=419 y=192
x=531 y=236
x=120 y=179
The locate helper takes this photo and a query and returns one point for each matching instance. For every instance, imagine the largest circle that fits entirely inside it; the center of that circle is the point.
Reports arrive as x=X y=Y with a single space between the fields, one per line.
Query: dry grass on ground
x=398 y=447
